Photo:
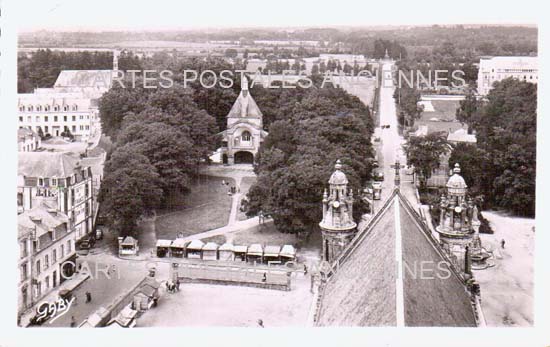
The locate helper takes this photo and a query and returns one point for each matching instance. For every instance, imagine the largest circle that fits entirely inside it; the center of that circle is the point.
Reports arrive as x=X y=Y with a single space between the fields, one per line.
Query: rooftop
x=47 y=164
x=365 y=288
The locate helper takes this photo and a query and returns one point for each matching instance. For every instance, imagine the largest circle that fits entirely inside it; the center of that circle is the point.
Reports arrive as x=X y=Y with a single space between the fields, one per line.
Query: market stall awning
x=255 y=249
x=179 y=243
x=195 y=245
x=164 y=243
x=288 y=251
x=210 y=246
x=240 y=249
x=272 y=251
x=228 y=247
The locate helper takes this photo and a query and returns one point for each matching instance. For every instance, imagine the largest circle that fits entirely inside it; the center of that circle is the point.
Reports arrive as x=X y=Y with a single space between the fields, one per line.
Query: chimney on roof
x=36 y=219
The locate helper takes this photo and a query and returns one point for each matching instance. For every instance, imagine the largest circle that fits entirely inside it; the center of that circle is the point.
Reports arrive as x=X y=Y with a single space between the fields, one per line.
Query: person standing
x=88 y=297
x=73 y=322
x=502 y=242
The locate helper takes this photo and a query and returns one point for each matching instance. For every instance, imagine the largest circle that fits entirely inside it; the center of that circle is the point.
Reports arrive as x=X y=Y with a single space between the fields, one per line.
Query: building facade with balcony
x=61 y=180
x=47 y=253
x=244 y=134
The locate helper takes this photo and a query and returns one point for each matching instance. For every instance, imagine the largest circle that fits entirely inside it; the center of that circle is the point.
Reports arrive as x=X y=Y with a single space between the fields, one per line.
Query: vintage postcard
x=194 y=165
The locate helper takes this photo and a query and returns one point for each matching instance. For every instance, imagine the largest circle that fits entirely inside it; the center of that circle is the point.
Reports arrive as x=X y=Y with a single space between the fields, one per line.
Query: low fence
x=260 y=277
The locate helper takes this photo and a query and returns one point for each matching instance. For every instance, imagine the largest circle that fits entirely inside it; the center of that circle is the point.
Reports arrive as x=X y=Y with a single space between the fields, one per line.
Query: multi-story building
x=27 y=140
x=60 y=179
x=57 y=113
x=47 y=252
x=498 y=68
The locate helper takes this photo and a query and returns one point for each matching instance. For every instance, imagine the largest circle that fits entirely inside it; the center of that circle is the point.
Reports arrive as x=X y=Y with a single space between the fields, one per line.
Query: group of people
x=172 y=287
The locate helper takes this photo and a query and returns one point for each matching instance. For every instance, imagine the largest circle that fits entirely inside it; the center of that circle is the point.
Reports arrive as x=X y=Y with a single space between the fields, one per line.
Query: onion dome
x=456 y=183
x=338 y=177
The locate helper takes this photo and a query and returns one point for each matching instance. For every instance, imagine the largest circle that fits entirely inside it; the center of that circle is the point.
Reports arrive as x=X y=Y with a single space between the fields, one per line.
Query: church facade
x=244 y=133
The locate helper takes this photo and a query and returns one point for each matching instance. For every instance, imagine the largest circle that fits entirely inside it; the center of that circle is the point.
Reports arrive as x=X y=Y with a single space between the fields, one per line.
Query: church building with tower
x=244 y=133
x=337 y=226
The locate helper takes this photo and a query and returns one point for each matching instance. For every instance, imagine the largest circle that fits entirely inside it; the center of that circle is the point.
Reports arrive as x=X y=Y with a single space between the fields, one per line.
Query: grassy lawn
x=219 y=239
x=265 y=234
x=206 y=207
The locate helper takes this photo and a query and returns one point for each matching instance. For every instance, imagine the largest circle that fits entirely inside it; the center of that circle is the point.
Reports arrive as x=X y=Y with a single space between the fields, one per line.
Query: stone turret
x=458 y=221
x=337 y=226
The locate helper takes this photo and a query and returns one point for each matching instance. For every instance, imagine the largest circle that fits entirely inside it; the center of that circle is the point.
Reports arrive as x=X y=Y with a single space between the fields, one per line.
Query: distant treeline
x=42 y=68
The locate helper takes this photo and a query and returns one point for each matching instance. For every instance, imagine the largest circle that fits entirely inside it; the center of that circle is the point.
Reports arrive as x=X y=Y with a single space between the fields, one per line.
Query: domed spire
x=338 y=177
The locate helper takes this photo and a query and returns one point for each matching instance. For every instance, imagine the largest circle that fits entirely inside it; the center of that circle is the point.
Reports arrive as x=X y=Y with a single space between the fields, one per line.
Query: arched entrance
x=244 y=157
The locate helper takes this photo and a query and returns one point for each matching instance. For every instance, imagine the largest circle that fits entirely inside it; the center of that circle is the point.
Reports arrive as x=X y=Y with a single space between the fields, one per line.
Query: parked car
x=87 y=243
x=379 y=176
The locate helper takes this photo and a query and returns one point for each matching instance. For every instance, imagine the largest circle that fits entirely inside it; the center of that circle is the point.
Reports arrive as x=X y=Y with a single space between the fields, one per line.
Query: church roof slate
x=364 y=289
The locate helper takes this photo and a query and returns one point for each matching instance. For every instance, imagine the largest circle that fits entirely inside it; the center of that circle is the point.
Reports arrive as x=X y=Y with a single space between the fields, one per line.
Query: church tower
x=337 y=226
x=458 y=227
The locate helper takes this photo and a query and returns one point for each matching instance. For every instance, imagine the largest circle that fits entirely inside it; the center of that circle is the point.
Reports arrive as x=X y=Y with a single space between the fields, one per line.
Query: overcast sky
x=165 y=14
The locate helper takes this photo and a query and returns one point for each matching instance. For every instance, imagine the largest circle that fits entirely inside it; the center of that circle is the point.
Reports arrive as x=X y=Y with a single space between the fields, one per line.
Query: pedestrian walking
x=264 y=278
x=261 y=323
x=178 y=285
x=88 y=297
x=73 y=322
x=305 y=269
x=502 y=242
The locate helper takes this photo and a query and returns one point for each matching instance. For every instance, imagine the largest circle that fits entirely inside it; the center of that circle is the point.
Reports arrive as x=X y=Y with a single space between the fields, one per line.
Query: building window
x=55 y=118
x=69 y=246
x=81 y=127
x=65 y=108
x=74 y=128
x=47 y=280
x=54 y=181
x=22 y=108
x=46 y=262
x=38 y=108
x=64 y=118
x=46 y=129
x=38 y=268
x=87 y=127
x=29 y=119
x=24 y=273
x=56 y=108
x=47 y=108
x=38 y=118
x=29 y=108
x=81 y=117
x=45 y=118
x=54 y=256
x=62 y=251
x=40 y=181
x=75 y=107
x=74 y=118
x=23 y=249
x=20 y=118
x=246 y=136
